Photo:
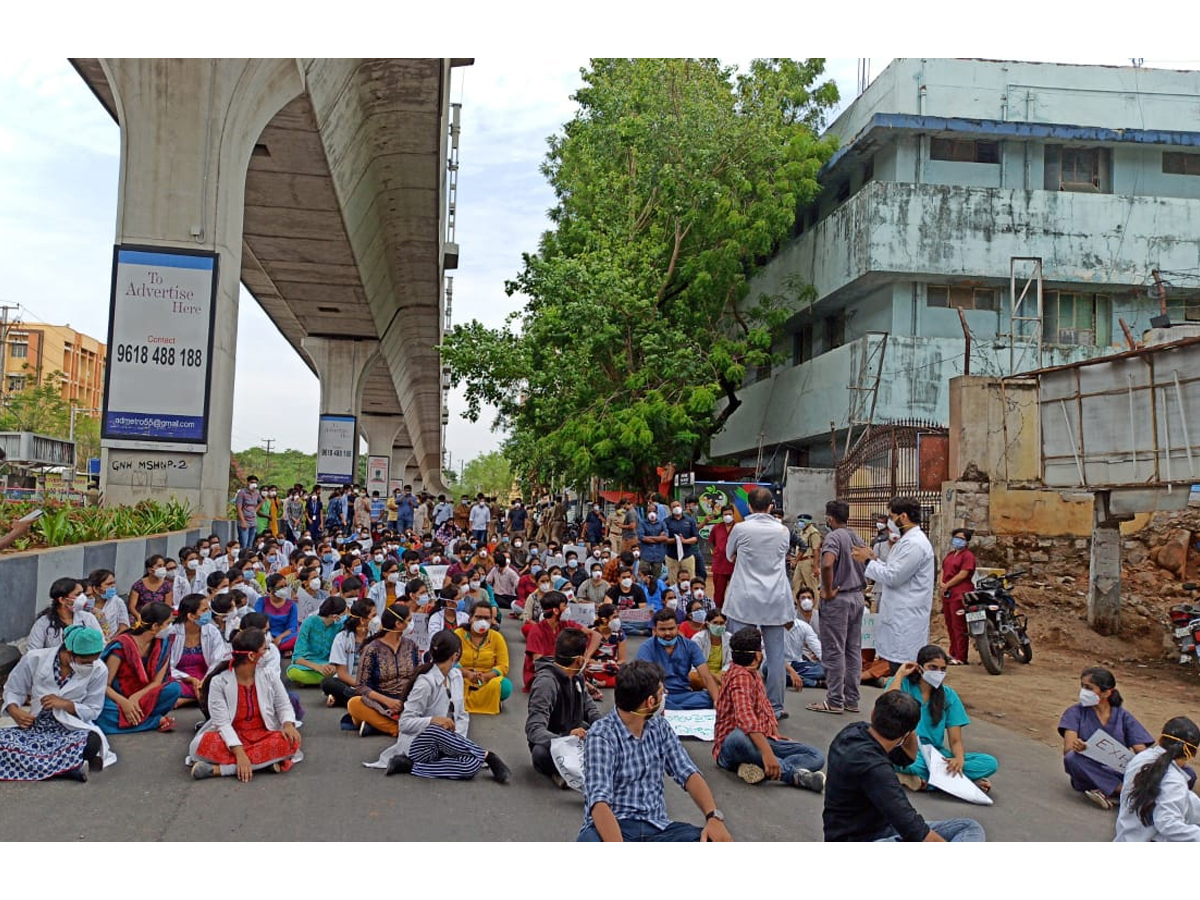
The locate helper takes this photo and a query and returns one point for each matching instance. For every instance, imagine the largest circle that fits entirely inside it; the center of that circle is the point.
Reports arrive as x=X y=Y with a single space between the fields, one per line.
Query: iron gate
x=900 y=459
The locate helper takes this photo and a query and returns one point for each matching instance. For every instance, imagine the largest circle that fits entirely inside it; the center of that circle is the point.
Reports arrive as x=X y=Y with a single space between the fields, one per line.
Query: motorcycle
x=1185 y=627
x=994 y=623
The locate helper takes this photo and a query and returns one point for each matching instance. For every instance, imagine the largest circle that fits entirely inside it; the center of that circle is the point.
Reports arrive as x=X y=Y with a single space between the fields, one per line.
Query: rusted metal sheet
x=933 y=454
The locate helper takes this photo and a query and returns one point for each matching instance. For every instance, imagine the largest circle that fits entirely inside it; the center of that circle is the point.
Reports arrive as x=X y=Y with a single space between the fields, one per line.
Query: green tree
x=674 y=181
x=489 y=473
x=39 y=408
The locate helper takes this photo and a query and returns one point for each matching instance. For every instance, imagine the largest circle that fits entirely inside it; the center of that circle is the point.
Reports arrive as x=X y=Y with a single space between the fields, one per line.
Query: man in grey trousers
x=759 y=593
x=842 y=602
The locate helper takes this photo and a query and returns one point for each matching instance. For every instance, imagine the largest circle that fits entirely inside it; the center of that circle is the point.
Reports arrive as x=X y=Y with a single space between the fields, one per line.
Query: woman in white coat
x=1157 y=803
x=433 y=740
x=65 y=689
x=67 y=607
x=251 y=725
x=197 y=647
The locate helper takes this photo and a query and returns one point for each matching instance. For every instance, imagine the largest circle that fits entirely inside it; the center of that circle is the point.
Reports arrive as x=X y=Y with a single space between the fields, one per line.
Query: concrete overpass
x=322 y=185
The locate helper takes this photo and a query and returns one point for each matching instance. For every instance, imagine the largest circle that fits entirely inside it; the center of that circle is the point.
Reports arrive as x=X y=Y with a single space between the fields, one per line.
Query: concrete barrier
x=25 y=578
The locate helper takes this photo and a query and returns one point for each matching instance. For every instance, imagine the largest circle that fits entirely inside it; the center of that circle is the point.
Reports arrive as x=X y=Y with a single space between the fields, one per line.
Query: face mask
x=480 y=626
x=271 y=557
x=614 y=624
x=653 y=517
x=932 y=678
x=408 y=629
x=627 y=583
x=806 y=605
x=958 y=543
x=79 y=604
x=204 y=552
x=533 y=551
x=637 y=554
x=475 y=585
x=517 y=544
x=436 y=560
x=81 y=669
x=393 y=577
x=672 y=604
x=881 y=526
x=314 y=584
x=205 y=619
x=253 y=486
x=544 y=587
x=572 y=563
x=698 y=593
x=109 y=593
x=727 y=519
x=357 y=570
x=233 y=551
x=328 y=557
x=698 y=616
x=193 y=564
x=378 y=557
x=597 y=575
x=282 y=593
x=160 y=572
x=893 y=528
x=1088 y=698
x=677 y=510
x=414 y=568
x=665 y=643
x=716 y=630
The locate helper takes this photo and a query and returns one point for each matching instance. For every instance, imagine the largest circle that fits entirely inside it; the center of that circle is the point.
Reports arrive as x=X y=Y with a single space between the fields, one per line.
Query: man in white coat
x=759 y=592
x=906 y=580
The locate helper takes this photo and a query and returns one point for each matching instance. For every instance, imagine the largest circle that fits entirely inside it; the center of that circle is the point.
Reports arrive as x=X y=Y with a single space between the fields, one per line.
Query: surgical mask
x=282 y=593
x=109 y=593
x=205 y=619
x=329 y=557
x=893 y=528
x=81 y=669
x=204 y=552
x=193 y=564
x=480 y=626
x=233 y=551
x=727 y=519
x=357 y=570
x=272 y=557
x=627 y=583
x=933 y=678
x=806 y=605
x=314 y=584
x=716 y=630
x=881 y=526
x=533 y=551
x=614 y=624
x=665 y=643
x=79 y=604
x=672 y=604
x=475 y=585
x=572 y=563
x=544 y=587
x=160 y=572
x=698 y=615
x=1088 y=698
x=393 y=577
x=958 y=543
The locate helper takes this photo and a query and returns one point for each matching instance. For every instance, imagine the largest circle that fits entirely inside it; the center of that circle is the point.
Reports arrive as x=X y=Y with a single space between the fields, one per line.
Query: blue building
x=953 y=178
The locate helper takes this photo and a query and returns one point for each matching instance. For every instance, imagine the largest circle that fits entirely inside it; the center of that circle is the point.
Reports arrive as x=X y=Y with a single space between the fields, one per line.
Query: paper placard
x=580 y=550
x=582 y=613
x=420 y=632
x=868 y=631
x=437 y=576
x=636 y=614
x=1106 y=749
x=567 y=753
x=697 y=723
x=956 y=785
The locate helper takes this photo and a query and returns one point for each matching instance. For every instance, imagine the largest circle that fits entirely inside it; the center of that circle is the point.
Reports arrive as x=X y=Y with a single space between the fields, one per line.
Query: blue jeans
x=689 y=700
x=641 y=831
x=247 y=535
x=953 y=830
x=479 y=534
x=810 y=672
x=792 y=755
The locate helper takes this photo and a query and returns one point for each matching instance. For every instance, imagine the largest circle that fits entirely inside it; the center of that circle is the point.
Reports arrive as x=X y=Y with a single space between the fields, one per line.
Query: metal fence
x=900 y=459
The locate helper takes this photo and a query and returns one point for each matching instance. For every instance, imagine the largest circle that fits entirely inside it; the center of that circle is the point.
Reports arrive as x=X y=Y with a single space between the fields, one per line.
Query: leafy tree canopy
x=675 y=179
x=489 y=473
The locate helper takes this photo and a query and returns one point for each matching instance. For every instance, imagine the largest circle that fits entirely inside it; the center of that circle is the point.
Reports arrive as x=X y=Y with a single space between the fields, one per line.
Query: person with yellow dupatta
x=484 y=662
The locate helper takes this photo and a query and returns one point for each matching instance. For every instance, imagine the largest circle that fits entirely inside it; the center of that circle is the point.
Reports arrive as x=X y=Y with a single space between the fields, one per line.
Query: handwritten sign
x=437 y=576
x=868 y=631
x=420 y=632
x=697 y=723
x=1106 y=749
x=567 y=753
x=636 y=615
x=583 y=613
x=956 y=785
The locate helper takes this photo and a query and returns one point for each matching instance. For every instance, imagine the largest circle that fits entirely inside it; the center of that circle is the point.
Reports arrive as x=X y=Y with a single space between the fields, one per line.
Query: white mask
x=637 y=554
x=81 y=669
x=314 y=584
x=614 y=624
x=1088 y=698
x=394 y=577
x=893 y=528
x=282 y=593
x=475 y=585
x=932 y=678
x=672 y=604
x=414 y=568
x=193 y=564
x=204 y=552
x=408 y=629
x=544 y=587
x=806 y=604
x=517 y=544
x=677 y=510
x=378 y=557
x=627 y=583
x=160 y=572
x=727 y=519
x=480 y=626
x=698 y=593
x=597 y=575
x=572 y=563
x=79 y=604
x=653 y=517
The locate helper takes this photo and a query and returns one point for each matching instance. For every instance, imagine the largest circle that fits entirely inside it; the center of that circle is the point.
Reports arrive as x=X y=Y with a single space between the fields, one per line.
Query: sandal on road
x=824 y=707
x=166 y=724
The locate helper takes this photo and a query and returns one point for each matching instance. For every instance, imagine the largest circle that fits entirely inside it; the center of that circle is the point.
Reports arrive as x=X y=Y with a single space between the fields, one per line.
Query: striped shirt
x=626 y=772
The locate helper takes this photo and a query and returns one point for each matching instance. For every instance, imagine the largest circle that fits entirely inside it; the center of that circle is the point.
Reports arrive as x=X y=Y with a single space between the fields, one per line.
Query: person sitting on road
x=594 y=589
x=433 y=741
x=1157 y=803
x=385 y=671
x=863 y=799
x=1100 y=706
x=272 y=660
x=626 y=594
x=342 y=686
x=942 y=721
x=559 y=703
x=310 y=657
x=157 y=584
x=802 y=647
x=625 y=756
x=746 y=738
x=678 y=658
x=610 y=654
x=713 y=641
x=64 y=689
x=281 y=613
x=196 y=646
x=694 y=621
x=484 y=661
x=140 y=689
x=67 y=608
x=251 y=724
x=540 y=636
x=110 y=610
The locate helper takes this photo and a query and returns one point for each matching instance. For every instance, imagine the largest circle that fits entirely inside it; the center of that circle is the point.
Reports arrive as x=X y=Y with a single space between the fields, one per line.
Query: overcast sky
x=58 y=181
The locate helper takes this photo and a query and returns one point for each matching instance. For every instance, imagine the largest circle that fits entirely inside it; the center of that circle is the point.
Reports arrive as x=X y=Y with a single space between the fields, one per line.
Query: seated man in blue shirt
x=625 y=756
x=678 y=657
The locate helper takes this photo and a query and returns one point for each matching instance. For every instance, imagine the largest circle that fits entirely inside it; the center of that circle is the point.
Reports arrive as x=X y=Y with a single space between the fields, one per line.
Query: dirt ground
x=1029 y=699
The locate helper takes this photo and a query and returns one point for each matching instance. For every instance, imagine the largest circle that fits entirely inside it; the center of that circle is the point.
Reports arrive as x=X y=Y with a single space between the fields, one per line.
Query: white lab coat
x=703 y=639
x=42 y=635
x=906 y=581
x=222 y=707
x=212 y=645
x=197 y=584
x=1176 y=812
x=427 y=699
x=33 y=679
x=759 y=592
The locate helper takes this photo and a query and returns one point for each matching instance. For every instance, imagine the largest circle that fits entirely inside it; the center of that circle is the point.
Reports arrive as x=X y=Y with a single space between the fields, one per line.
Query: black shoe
x=399 y=765
x=500 y=771
x=780 y=716
x=80 y=773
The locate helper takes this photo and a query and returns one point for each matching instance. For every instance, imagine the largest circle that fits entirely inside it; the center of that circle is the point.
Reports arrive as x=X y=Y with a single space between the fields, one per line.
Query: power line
x=268 y=443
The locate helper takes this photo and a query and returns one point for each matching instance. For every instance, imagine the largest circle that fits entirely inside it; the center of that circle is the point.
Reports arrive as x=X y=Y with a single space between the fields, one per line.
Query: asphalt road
x=148 y=794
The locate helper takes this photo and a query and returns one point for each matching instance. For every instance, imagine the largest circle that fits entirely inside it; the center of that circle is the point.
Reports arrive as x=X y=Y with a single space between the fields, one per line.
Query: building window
x=843 y=193
x=952 y=150
x=1181 y=163
x=18 y=351
x=16 y=383
x=1085 y=169
x=762 y=373
x=1184 y=310
x=835 y=331
x=961 y=297
x=802 y=341
x=1069 y=319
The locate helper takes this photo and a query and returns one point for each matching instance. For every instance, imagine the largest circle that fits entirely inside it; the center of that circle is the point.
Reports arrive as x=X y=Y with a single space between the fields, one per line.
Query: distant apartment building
x=33 y=350
x=950 y=176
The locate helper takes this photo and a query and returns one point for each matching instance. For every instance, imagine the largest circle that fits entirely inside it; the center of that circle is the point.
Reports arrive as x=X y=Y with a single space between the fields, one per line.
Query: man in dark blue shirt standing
x=682 y=534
